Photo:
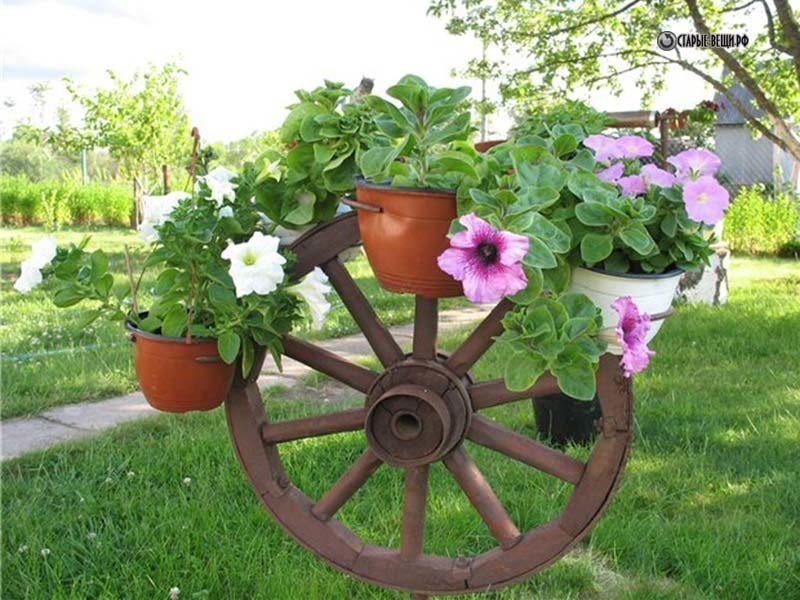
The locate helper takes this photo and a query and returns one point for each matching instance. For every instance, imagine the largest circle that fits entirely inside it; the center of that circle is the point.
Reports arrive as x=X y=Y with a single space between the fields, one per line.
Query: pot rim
x=666 y=275
x=129 y=325
x=362 y=181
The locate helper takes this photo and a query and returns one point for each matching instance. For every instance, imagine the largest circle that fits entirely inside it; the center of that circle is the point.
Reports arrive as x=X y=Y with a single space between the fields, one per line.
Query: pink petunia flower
x=632 y=330
x=605 y=148
x=632 y=185
x=486 y=260
x=705 y=200
x=694 y=163
x=652 y=175
x=612 y=173
x=633 y=146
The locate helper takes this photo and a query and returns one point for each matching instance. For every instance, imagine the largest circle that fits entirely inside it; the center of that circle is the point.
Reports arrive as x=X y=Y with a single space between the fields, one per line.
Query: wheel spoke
x=426 y=322
x=319 y=359
x=325 y=242
x=495 y=392
x=378 y=336
x=479 y=340
x=482 y=497
x=415 y=498
x=487 y=433
x=338 y=422
x=348 y=484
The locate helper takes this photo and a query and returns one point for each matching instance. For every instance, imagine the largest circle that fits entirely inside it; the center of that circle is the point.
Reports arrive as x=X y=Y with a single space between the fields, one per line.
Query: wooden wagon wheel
x=417 y=411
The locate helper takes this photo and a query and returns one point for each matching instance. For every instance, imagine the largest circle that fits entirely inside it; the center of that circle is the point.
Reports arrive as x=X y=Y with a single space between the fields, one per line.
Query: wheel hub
x=417 y=412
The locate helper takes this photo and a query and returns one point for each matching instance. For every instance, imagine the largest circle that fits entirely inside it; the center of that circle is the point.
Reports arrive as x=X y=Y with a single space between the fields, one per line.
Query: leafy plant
x=423 y=133
x=572 y=117
x=556 y=335
x=759 y=224
x=325 y=132
x=195 y=292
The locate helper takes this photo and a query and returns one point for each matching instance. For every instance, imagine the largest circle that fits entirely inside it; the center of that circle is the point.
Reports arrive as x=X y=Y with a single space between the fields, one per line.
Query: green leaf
x=104 y=284
x=150 y=323
x=531 y=292
x=523 y=369
x=637 y=237
x=221 y=297
x=669 y=225
x=578 y=305
x=455 y=161
x=617 y=263
x=248 y=356
x=564 y=144
x=228 y=346
x=594 y=213
x=575 y=375
x=322 y=153
x=99 y=264
x=290 y=129
x=67 y=296
x=536 y=198
x=175 y=321
x=596 y=247
x=555 y=238
x=539 y=255
x=589 y=188
x=576 y=327
x=411 y=96
x=165 y=281
x=375 y=161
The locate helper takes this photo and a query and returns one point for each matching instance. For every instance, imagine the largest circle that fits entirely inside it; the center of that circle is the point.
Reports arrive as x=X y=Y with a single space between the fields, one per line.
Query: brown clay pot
x=403 y=231
x=176 y=376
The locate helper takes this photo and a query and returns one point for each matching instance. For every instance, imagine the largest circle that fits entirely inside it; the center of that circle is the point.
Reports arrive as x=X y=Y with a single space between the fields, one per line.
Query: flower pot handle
x=131 y=336
x=662 y=315
x=360 y=205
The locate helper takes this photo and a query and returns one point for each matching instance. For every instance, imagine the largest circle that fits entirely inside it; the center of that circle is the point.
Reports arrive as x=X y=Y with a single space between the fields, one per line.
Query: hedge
x=759 y=222
x=57 y=203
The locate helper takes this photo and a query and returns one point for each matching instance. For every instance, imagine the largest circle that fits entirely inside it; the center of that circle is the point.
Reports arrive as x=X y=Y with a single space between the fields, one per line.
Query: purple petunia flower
x=632 y=185
x=612 y=173
x=605 y=148
x=652 y=175
x=694 y=163
x=705 y=200
x=485 y=260
x=633 y=146
x=632 y=330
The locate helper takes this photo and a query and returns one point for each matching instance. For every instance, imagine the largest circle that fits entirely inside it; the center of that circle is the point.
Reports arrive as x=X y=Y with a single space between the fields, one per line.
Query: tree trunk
x=166 y=173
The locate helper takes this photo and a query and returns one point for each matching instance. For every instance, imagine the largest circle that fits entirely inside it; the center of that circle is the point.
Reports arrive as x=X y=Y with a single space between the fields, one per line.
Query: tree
x=142 y=123
x=593 y=42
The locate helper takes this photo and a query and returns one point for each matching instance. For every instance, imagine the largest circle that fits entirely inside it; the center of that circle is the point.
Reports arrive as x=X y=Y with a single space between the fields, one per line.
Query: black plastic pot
x=564 y=420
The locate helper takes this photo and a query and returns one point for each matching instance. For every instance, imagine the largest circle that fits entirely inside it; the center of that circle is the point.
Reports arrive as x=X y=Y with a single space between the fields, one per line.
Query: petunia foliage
x=325 y=132
x=427 y=133
x=559 y=336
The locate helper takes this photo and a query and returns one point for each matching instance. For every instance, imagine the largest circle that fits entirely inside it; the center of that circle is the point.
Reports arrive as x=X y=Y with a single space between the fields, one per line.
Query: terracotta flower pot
x=403 y=231
x=176 y=376
x=653 y=294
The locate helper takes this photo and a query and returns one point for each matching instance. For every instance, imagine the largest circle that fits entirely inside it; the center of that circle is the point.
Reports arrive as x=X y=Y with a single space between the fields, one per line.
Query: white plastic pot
x=652 y=294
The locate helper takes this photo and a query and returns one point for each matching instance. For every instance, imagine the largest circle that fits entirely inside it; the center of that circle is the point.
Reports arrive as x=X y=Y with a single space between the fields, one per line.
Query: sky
x=244 y=58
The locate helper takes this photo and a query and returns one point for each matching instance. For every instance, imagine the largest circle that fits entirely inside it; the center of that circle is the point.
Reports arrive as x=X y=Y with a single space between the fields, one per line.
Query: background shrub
x=55 y=203
x=761 y=223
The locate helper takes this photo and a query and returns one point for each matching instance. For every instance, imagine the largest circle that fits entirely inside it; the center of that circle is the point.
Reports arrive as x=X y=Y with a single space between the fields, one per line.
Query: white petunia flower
x=271 y=171
x=219 y=181
x=30 y=276
x=256 y=265
x=43 y=251
x=225 y=212
x=312 y=290
x=174 y=592
x=157 y=211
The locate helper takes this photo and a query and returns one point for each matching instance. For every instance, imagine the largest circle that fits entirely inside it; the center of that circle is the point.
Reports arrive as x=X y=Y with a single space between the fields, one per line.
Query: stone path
x=74 y=421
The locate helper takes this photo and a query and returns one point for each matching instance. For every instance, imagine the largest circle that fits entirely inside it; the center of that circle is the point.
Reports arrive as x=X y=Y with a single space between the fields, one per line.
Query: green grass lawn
x=708 y=507
x=48 y=360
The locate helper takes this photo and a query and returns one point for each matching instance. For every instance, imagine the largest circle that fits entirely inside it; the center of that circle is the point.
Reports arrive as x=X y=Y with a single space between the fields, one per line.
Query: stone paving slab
x=74 y=421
